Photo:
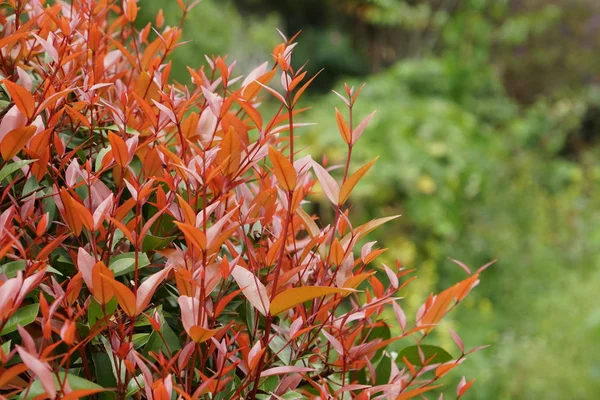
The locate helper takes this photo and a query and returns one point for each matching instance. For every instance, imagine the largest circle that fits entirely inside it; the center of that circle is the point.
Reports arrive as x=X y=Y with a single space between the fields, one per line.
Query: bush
x=153 y=238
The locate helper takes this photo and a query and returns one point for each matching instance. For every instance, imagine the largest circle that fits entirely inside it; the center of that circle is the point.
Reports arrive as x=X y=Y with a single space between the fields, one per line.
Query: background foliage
x=487 y=124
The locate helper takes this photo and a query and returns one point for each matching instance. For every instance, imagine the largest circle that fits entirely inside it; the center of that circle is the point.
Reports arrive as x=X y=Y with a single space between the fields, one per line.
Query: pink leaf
x=359 y=130
x=329 y=185
x=166 y=111
x=284 y=370
x=391 y=276
x=253 y=289
x=457 y=340
x=460 y=264
x=47 y=45
x=366 y=250
x=85 y=264
x=274 y=93
x=146 y=290
x=189 y=307
x=400 y=316
x=254 y=351
x=334 y=342
x=40 y=369
x=214 y=101
x=102 y=209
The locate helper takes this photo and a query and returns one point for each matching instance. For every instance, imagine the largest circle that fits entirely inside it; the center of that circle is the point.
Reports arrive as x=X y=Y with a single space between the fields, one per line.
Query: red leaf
x=15 y=140
x=21 y=97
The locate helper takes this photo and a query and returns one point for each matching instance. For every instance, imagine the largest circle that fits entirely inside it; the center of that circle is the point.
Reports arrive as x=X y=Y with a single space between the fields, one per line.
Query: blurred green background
x=488 y=128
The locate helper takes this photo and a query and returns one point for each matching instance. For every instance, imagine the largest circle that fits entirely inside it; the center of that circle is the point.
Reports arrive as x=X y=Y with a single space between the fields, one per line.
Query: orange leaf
x=337 y=252
x=81 y=213
x=130 y=9
x=21 y=97
x=298 y=295
x=8 y=375
x=356 y=280
x=439 y=308
x=229 y=152
x=15 y=140
x=444 y=369
x=188 y=213
x=283 y=169
x=119 y=149
x=415 y=392
x=70 y=216
x=193 y=235
x=343 y=127
x=304 y=87
x=102 y=290
x=353 y=180
x=125 y=297
x=200 y=334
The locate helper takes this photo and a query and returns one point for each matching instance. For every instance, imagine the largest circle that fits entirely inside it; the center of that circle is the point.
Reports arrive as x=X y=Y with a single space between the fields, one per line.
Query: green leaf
x=135 y=385
x=99 y=157
x=23 y=316
x=11 y=268
x=8 y=169
x=278 y=345
x=156 y=344
x=103 y=372
x=140 y=339
x=75 y=382
x=6 y=347
x=95 y=310
x=412 y=354
x=125 y=263
x=156 y=243
x=115 y=128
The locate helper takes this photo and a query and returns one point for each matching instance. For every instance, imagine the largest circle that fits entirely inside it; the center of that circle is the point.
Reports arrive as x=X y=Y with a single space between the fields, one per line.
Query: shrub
x=153 y=238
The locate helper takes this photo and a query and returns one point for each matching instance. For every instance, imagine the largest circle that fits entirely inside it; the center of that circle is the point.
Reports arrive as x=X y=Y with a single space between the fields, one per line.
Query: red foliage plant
x=153 y=241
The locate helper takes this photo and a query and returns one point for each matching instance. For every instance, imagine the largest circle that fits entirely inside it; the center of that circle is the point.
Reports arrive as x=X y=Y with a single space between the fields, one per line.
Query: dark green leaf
x=95 y=310
x=156 y=243
x=23 y=316
x=412 y=354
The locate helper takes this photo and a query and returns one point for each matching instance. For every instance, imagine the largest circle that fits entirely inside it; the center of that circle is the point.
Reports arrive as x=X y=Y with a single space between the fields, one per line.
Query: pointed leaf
x=353 y=180
x=23 y=316
x=343 y=127
x=329 y=185
x=15 y=140
x=415 y=392
x=283 y=169
x=21 y=97
x=193 y=235
x=147 y=288
x=253 y=289
x=294 y=296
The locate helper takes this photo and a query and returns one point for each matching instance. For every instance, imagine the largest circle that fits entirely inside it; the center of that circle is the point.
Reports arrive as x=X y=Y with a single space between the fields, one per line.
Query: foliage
x=154 y=242
x=473 y=172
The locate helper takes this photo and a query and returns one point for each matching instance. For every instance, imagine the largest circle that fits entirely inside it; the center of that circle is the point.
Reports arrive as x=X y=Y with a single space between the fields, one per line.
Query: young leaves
x=294 y=296
x=329 y=185
x=353 y=180
x=15 y=140
x=283 y=170
x=21 y=97
x=253 y=289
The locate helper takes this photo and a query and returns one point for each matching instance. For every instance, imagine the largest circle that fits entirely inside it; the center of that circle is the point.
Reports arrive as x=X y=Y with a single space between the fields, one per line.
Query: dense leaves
x=153 y=236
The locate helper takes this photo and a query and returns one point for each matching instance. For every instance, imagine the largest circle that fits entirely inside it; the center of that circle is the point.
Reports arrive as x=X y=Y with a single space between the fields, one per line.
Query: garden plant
x=156 y=240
